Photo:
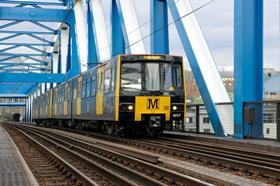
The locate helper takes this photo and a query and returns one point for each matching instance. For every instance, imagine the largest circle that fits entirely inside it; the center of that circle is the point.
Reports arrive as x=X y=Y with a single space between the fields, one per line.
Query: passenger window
x=88 y=87
x=79 y=88
x=107 y=81
x=75 y=91
x=84 y=89
x=100 y=82
x=69 y=92
x=93 y=86
x=66 y=93
x=62 y=95
x=112 y=80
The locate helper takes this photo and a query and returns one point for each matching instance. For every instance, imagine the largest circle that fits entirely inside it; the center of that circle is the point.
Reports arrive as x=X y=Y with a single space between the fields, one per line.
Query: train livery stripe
x=117 y=98
x=65 y=99
x=100 y=88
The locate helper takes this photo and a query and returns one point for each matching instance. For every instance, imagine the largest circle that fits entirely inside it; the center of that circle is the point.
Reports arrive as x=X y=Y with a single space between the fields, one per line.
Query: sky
x=216 y=21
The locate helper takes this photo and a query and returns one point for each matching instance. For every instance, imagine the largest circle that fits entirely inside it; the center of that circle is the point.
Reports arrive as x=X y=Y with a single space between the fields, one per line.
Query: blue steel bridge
x=47 y=42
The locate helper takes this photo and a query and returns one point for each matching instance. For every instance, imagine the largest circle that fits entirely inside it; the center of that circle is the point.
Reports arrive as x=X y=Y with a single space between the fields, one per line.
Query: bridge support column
x=159 y=26
x=118 y=43
x=248 y=66
x=92 y=52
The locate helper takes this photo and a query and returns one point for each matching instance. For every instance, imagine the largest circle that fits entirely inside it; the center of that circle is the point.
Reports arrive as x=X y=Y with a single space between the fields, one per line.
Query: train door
x=100 y=91
x=79 y=97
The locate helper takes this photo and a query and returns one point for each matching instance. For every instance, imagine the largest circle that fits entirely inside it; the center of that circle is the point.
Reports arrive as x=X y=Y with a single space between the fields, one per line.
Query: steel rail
x=118 y=174
x=79 y=175
x=76 y=144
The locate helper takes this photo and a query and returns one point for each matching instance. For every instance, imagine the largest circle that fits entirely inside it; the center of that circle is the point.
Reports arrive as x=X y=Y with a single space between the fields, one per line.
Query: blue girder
x=248 y=66
x=33 y=14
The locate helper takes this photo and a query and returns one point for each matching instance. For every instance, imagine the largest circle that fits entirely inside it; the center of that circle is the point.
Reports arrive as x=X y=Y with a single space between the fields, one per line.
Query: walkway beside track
x=13 y=168
x=256 y=144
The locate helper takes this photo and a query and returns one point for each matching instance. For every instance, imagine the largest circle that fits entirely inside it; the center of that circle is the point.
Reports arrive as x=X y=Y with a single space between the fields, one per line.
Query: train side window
x=75 y=90
x=107 y=81
x=88 y=87
x=93 y=85
x=69 y=92
x=65 y=93
x=62 y=94
x=84 y=89
x=100 y=82
x=112 y=80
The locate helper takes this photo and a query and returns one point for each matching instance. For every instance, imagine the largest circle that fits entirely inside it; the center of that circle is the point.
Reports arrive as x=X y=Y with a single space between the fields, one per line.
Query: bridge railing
x=197 y=120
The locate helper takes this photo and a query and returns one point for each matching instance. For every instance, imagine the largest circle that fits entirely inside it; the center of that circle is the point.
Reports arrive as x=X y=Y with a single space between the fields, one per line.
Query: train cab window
x=131 y=77
x=152 y=77
x=93 y=85
x=107 y=81
x=171 y=77
x=88 y=88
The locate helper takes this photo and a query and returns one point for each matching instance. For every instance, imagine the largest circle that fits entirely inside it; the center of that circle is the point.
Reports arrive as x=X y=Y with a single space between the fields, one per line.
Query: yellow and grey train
x=127 y=95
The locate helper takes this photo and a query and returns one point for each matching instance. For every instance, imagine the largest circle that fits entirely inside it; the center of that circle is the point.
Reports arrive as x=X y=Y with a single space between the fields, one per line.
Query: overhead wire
x=151 y=33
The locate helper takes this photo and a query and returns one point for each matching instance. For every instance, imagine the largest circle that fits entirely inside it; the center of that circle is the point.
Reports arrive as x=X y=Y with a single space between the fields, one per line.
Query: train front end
x=152 y=96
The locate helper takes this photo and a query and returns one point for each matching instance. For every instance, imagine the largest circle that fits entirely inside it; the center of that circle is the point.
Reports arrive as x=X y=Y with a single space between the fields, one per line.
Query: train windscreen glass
x=131 y=77
x=150 y=77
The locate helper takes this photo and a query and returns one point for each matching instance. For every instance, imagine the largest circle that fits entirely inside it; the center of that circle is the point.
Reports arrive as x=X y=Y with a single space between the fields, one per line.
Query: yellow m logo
x=153 y=104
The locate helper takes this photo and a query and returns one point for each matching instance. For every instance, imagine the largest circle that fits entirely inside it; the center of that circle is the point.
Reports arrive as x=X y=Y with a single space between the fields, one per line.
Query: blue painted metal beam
x=13 y=96
x=74 y=67
x=248 y=65
x=9 y=48
x=39 y=38
x=43 y=26
x=118 y=42
x=32 y=3
x=33 y=14
x=32 y=78
x=27 y=32
x=20 y=55
x=19 y=104
x=22 y=64
x=159 y=26
x=92 y=50
x=10 y=24
x=9 y=37
x=38 y=50
x=203 y=66
x=28 y=44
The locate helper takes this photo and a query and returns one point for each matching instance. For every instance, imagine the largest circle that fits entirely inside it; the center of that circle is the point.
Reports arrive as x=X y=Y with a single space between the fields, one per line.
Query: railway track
x=249 y=163
x=129 y=170
x=47 y=167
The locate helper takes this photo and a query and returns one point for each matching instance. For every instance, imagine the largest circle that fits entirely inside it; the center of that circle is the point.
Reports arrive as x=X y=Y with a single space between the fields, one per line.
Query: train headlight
x=130 y=107
x=174 y=107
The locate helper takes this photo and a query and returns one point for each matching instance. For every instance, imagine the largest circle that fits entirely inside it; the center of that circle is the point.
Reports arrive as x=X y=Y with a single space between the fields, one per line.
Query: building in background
x=271 y=92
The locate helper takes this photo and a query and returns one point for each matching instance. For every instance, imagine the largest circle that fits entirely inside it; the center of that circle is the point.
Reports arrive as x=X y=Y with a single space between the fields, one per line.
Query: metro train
x=126 y=96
